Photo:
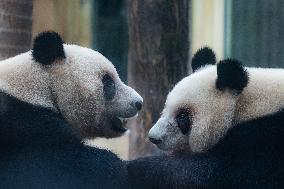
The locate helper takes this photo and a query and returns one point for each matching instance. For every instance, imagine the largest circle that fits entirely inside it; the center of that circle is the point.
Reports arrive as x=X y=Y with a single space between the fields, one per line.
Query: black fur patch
x=48 y=47
x=202 y=57
x=231 y=75
x=109 y=87
x=183 y=121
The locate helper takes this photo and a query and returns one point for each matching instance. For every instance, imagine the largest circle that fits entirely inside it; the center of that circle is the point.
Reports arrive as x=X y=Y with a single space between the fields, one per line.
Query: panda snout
x=155 y=140
x=132 y=98
x=135 y=106
x=138 y=105
x=154 y=136
x=131 y=109
x=129 y=102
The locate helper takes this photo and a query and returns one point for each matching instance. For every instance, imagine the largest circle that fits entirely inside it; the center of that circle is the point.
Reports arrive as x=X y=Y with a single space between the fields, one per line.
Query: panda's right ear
x=231 y=74
x=203 y=56
x=48 y=47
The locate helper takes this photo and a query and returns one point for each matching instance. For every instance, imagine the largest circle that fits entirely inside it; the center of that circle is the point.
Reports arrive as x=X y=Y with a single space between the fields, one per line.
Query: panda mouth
x=118 y=124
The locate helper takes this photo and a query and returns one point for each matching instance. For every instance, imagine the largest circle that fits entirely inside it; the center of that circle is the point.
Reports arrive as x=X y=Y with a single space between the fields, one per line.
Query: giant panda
x=223 y=127
x=52 y=97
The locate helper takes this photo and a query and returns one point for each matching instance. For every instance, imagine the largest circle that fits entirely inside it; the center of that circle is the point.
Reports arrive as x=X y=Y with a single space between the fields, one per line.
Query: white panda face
x=195 y=113
x=79 y=83
x=90 y=94
x=200 y=108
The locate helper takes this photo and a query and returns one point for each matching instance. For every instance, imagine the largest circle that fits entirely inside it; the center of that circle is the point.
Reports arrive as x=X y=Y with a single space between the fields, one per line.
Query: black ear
x=231 y=75
x=48 y=47
x=202 y=57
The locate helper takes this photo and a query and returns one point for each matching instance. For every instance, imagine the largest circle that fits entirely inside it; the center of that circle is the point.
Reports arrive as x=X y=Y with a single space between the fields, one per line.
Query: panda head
x=200 y=108
x=79 y=83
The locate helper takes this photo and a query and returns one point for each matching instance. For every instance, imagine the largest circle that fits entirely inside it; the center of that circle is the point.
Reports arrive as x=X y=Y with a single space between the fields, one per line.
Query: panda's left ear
x=203 y=56
x=48 y=47
x=231 y=75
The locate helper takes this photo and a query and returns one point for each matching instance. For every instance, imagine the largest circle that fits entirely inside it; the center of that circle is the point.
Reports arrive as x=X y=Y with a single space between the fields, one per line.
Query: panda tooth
x=133 y=117
x=123 y=119
x=129 y=118
x=127 y=132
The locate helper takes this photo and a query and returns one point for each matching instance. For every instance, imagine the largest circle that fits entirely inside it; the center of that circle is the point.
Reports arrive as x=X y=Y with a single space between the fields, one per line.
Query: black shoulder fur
x=39 y=149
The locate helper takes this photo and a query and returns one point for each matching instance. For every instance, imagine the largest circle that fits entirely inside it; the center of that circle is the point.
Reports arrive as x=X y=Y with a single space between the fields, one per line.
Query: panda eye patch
x=183 y=121
x=109 y=87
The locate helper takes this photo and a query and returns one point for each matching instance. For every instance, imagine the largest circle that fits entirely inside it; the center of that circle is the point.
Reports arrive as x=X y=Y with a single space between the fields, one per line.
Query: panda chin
x=118 y=125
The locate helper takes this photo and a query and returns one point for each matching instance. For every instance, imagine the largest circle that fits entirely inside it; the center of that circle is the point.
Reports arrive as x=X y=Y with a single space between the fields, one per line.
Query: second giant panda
x=229 y=122
x=51 y=98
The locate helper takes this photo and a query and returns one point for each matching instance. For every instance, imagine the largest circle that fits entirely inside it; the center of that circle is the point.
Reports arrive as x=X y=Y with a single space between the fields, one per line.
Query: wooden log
x=157 y=60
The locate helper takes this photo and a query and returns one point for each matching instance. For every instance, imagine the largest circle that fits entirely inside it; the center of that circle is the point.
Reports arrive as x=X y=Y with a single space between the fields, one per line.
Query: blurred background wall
x=251 y=31
x=255 y=32
x=15 y=27
x=70 y=18
x=208 y=25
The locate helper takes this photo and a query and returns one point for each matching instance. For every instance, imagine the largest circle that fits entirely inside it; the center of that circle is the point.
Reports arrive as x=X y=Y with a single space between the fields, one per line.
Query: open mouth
x=118 y=124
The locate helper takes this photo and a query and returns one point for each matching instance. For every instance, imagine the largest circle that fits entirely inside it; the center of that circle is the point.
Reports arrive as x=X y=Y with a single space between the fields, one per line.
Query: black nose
x=138 y=105
x=155 y=141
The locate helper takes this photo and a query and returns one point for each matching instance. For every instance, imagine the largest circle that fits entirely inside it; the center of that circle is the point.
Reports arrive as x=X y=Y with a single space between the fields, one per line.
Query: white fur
x=24 y=79
x=263 y=95
x=213 y=111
